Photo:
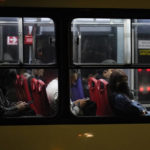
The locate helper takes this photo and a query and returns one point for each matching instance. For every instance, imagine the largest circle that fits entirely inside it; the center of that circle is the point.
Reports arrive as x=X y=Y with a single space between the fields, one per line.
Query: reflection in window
x=39 y=40
x=101 y=41
x=9 y=39
x=141 y=29
x=144 y=86
x=28 y=92
x=109 y=92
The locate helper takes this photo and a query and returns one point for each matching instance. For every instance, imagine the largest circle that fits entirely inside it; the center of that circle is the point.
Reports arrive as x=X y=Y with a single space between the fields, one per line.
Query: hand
x=21 y=105
x=144 y=112
x=81 y=102
x=19 y=102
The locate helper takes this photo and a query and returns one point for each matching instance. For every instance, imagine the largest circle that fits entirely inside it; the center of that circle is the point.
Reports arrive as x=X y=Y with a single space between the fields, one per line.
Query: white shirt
x=52 y=95
x=52 y=91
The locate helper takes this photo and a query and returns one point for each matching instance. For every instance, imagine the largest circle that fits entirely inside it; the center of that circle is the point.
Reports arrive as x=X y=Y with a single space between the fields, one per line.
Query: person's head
x=7 y=78
x=118 y=81
x=38 y=72
x=105 y=73
x=73 y=76
x=109 y=61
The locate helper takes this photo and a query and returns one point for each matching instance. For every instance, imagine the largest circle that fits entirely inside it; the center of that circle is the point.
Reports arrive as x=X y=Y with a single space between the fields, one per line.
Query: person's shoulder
x=51 y=84
x=122 y=98
x=119 y=96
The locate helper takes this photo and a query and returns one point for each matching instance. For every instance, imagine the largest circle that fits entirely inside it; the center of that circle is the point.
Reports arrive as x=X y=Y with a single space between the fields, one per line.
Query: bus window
x=39 y=41
x=144 y=86
x=101 y=41
x=141 y=33
x=9 y=47
x=91 y=85
x=28 y=92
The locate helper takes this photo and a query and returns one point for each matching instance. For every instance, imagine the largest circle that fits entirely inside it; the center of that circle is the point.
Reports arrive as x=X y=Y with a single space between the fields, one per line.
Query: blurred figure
x=76 y=86
x=79 y=104
x=104 y=74
x=38 y=73
x=52 y=94
x=121 y=98
x=7 y=107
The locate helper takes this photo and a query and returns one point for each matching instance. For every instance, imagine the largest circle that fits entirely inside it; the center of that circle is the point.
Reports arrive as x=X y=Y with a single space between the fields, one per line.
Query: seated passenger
x=83 y=107
x=52 y=94
x=79 y=104
x=120 y=97
x=7 y=107
x=104 y=74
x=38 y=73
x=76 y=86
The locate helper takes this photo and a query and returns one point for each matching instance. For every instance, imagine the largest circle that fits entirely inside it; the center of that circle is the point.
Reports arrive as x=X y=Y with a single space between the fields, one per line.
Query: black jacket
x=123 y=105
x=7 y=108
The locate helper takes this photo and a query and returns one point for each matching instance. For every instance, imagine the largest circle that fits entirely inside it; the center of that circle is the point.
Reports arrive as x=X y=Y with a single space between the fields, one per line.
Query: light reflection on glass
x=86 y=135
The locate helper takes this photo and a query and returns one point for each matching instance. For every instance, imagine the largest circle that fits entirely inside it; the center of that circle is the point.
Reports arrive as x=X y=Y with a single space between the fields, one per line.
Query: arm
x=13 y=111
x=125 y=106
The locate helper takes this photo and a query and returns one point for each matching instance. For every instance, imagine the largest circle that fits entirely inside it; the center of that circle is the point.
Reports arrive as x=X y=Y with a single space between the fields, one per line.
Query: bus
x=43 y=42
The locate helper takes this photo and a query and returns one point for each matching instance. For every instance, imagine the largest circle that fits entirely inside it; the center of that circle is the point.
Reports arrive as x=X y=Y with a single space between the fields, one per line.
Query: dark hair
x=101 y=71
x=7 y=77
x=118 y=83
x=116 y=77
x=73 y=71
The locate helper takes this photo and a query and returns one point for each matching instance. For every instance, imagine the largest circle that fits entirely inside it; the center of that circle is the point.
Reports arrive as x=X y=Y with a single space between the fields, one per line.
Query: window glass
x=9 y=40
x=144 y=86
x=28 y=92
x=97 y=40
x=141 y=28
x=109 y=92
x=39 y=41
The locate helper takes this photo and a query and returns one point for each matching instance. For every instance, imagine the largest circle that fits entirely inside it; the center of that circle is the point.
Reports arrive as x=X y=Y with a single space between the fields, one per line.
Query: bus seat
x=23 y=90
x=103 y=102
x=93 y=89
x=77 y=90
x=38 y=89
x=98 y=94
x=18 y=88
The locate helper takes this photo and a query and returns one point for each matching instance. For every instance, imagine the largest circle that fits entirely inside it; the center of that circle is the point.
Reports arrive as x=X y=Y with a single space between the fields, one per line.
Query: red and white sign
x=12 y=40
x=28 y=39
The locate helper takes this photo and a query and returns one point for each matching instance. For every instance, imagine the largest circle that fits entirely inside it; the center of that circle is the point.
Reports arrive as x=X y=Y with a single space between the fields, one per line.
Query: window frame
x=62 y=18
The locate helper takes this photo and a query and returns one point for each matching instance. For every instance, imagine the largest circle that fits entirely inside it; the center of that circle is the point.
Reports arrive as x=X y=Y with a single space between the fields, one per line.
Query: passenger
x=86 y=74
x=26 y=73
x=78 y=107
x=38 y=73
x=49 y=75
x=79 y=104
x=76 y=86
x=104 y=74
x=52 y=94
x=121 y=98
x=8 y=108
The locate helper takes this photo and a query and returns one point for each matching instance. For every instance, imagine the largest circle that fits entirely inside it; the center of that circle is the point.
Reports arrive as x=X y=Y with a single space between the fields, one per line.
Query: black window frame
x=62 y=18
